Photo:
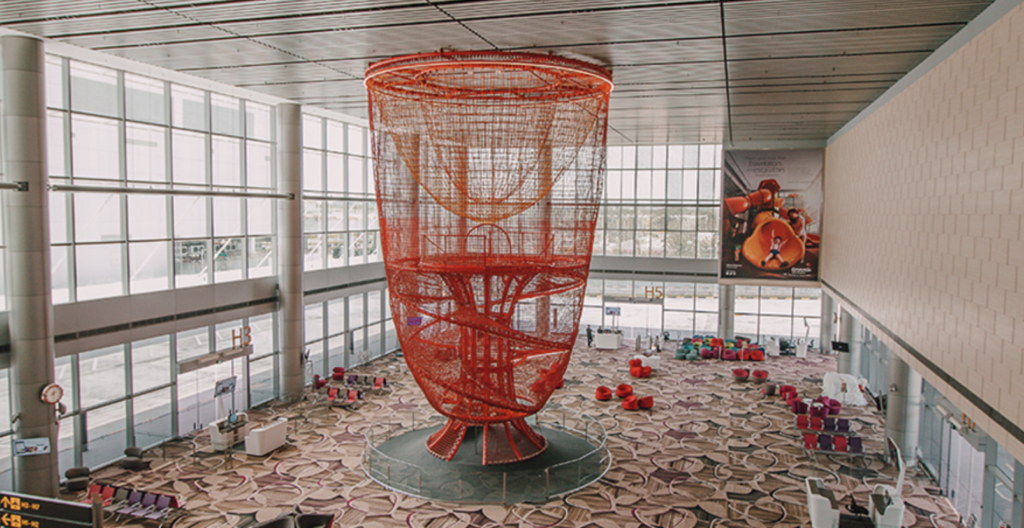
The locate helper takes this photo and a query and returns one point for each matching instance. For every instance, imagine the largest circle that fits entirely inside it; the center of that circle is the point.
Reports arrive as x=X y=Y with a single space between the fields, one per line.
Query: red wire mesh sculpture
x=488 y=170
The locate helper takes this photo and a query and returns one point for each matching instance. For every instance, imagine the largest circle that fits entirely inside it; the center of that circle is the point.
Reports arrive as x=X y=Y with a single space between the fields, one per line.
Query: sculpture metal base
x=569 y=463
x=503 y=442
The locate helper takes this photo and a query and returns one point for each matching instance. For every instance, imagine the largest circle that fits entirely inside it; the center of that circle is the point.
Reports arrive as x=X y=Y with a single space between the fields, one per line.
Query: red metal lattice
x=489 y=168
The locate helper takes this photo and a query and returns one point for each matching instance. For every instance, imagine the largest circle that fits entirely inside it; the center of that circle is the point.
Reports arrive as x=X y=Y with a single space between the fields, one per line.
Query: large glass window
x=341 y=229
x=764 y=312
x=660 y=201
x=128 y=128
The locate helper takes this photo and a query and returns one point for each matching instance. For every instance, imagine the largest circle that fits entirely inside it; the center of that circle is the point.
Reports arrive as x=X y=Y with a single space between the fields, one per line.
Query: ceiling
x=685 y=71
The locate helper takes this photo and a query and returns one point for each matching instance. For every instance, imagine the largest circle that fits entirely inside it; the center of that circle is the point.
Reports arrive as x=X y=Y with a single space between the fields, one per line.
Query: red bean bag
x=339 y=369
x=623 y=390
x=645 y=372
x=744 y=355
x=730 y=355
x=631 y=403
x=717 y=342
x=646 y=402
x=787 y=391
x=707 y=353
x=636 y=362
x=603 y=393
x=757 y=355
x=740 y=374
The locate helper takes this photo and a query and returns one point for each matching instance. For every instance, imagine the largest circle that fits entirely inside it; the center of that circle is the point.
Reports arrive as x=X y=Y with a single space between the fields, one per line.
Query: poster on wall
x=771 y=214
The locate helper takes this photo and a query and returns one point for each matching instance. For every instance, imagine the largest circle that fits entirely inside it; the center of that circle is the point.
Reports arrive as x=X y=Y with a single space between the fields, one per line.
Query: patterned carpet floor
x=711 y=453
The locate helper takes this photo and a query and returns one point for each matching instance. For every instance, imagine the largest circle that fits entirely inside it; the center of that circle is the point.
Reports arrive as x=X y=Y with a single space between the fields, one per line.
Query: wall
x=922 y=220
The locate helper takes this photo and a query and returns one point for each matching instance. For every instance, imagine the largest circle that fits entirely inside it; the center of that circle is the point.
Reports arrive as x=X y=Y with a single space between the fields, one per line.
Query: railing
x=504 y=484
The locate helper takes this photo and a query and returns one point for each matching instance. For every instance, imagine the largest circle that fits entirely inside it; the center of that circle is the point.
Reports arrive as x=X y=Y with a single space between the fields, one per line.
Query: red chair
x=757 y=355
x=623 y=390
x=740 y=374
x=380 y=383
x=840 y=444
x=744 y=355
x=332 y=394
x=811 y=441
x=801 y=422
x=603 y=393
x=759 y=376
x=646 y=402
x=730 y=355
x=815 y=423
x=645 y=372
x=787 y=392
x=631 y=403
x=717 y=342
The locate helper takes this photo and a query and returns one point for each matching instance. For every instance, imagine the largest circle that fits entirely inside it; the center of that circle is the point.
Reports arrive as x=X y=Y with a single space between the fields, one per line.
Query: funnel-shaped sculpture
x=489 y=168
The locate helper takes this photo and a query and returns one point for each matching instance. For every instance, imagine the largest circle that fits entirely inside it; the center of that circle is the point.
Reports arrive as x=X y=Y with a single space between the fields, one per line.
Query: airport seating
x=263 y=440
x=821 y=504
x=623 y=390
x=740 y=374
x=603 y=393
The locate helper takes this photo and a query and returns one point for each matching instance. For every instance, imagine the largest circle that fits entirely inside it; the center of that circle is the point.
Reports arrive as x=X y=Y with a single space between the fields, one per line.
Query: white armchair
x=886 y=503
x=263 y=440
x=821 y=504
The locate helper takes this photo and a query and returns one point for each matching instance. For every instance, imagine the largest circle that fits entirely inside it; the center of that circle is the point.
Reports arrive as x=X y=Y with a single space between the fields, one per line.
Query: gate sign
x=613 y=310
x=27 y=511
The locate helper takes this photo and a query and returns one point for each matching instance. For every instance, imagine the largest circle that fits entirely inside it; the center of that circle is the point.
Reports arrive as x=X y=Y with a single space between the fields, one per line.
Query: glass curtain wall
x=764 y=312
x=661 y=201
x=112 y=128
x=650 y=307
x=348 y=332
x=336 y=166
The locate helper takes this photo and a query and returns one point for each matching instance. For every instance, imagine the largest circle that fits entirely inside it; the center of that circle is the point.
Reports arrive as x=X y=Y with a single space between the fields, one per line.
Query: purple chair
x=707 y=353
x=798 y=406
x=834 y=406
x=830 y=424
x=160 y=510
x=856 y=444
x=825 y=442
x=843 y=425
x=134 y=498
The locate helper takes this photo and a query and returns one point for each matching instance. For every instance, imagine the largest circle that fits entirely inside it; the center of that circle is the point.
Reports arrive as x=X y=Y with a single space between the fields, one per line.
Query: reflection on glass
x=148 y=266
x=95 y=147
x=191 y=267
x=261 y=257
x=228 y=259
x=144 y=99
x=98 y=271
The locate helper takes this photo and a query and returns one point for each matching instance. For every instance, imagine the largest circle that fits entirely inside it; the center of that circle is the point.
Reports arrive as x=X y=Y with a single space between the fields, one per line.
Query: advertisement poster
x=771 y=214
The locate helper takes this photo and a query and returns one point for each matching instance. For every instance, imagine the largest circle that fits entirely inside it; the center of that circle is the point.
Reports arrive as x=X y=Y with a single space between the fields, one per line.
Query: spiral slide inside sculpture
x=757 y=247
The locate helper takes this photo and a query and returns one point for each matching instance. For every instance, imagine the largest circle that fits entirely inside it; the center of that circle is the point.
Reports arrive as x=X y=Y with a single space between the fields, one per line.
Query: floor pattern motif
x=711 y=453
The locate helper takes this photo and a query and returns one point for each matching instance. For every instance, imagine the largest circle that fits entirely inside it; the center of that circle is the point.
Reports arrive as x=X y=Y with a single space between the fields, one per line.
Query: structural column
x=828 y=329
x=290 y=250
x=851 y=332
x=903 y=410
x=726 y=311
x=27 y=225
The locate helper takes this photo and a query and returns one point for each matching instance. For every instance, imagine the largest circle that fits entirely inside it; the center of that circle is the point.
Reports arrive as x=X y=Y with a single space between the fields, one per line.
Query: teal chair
x=694 y=355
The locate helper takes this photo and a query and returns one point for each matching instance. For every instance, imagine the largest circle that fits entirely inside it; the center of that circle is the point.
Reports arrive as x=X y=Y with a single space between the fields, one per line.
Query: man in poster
x=771 y=211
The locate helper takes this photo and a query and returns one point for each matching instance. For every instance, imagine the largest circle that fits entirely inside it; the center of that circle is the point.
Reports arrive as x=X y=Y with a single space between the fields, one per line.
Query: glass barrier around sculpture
x=502 y=484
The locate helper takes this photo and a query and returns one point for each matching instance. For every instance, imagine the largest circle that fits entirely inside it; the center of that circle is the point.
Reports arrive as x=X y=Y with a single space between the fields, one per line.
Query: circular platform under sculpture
x=488 y=173
x=576 y=457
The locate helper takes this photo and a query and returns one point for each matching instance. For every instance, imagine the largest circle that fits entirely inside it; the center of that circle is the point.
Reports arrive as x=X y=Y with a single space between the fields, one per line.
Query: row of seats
x=135 y=503
x=828 y=425
x=838 y=444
